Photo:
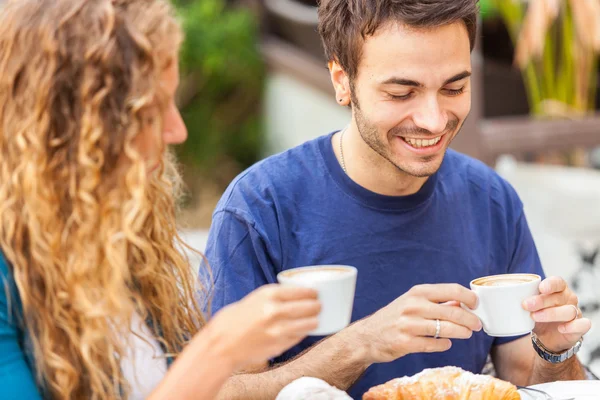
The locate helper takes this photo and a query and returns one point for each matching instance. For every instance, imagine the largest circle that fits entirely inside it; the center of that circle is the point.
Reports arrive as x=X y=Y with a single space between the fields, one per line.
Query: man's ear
x=341 y=83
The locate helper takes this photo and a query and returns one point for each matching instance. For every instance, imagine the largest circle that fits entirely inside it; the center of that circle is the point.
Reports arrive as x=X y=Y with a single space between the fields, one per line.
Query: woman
x=98 y=297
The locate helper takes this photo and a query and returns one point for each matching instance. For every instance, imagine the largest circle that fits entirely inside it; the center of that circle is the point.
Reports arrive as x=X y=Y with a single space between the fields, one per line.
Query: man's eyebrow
x=401 y=81
x=409 y=82
x=458 y=77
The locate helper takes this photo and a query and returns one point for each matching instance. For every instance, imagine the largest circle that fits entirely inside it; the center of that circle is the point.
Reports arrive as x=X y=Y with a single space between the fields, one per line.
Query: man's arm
x=514 y=361
x=241 y=261
x=570 y=370
x=407 y=325
x=339 y=360
x=518 y=363
x=238 y=261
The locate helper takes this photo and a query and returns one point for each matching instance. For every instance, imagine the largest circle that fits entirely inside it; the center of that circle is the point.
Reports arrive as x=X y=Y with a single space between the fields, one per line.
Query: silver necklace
x=342 y=151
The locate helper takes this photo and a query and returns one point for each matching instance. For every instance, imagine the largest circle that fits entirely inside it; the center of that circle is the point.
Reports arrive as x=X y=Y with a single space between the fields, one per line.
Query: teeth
x=420 y=143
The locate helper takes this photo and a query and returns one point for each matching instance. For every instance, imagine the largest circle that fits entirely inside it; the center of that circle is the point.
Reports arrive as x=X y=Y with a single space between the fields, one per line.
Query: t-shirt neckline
x=365 y=196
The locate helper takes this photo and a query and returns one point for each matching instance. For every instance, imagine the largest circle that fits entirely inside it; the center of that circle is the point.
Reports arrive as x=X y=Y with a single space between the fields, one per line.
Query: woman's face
x=173 y=130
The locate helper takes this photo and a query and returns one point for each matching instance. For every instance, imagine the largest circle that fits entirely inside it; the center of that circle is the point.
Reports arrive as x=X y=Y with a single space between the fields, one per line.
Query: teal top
x=17 y=373
x=17 y=376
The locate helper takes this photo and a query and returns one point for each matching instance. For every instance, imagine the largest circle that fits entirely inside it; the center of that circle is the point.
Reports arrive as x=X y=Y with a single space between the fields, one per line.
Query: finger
x=554 y=284
x=578 y=327
x=292 y=293
x=455 y=315
x=451 y=304
x=544 y=301
x=429 y=345
x=299 y=327
x=449 y=330
x=441 y=293
x=556 y=314
x=300 y=309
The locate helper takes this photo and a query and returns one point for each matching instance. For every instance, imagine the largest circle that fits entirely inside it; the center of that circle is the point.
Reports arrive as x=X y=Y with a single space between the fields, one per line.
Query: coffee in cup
x=314 y=274
x=500 y=305
x=335 y=284
x=504 y=280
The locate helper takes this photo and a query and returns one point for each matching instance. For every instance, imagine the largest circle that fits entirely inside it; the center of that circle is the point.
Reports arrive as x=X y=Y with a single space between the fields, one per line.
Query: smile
x=422 y=143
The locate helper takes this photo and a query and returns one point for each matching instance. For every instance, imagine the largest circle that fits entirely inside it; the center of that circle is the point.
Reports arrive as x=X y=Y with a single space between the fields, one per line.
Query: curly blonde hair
x=90 y=236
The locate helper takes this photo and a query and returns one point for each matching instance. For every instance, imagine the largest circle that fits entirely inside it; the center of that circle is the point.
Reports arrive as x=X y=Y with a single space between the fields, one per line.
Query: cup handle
x=478 y=311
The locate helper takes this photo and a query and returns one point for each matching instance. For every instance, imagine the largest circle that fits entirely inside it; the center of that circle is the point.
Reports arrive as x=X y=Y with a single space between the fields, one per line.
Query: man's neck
x=370 y=170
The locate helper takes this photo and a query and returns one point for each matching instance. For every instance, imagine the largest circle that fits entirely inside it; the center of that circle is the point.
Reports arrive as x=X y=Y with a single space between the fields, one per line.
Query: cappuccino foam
x=317 y=274
x=504 y=280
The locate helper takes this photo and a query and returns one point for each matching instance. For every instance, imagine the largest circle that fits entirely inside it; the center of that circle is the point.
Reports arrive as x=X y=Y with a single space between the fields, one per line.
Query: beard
x=421 y=167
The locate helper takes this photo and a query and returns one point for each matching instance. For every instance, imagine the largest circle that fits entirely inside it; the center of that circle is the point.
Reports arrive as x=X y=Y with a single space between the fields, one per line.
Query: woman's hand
x=265 y=323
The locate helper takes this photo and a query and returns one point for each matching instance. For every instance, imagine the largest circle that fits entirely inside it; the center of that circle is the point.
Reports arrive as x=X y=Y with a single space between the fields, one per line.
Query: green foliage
x=560 y=76
x=222 y=82
x=487 y=9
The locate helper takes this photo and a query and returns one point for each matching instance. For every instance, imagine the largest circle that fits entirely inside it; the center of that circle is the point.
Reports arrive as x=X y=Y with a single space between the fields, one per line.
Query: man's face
x=412 y=93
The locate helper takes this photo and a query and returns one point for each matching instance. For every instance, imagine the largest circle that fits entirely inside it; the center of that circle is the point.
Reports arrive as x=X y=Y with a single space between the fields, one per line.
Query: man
x=387 y=196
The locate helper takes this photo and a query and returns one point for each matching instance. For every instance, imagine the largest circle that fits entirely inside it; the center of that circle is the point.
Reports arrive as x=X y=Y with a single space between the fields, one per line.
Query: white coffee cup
x=335 y=284
x=500 y=306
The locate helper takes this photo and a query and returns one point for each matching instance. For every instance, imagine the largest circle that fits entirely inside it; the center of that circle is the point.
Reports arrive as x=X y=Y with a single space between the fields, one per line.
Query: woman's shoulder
x=6 y=276
x=4 y=270
x=9 y=295
x=17 y=376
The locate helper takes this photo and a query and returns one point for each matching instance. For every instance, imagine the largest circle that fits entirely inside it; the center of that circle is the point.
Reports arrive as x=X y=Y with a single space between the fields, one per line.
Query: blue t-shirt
x=299 y=208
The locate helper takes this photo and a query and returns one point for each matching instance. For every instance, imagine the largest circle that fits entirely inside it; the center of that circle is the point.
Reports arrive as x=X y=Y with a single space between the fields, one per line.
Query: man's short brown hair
x=344 y=24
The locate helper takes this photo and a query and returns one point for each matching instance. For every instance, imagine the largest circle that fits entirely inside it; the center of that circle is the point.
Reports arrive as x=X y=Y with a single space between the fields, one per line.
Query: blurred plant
x=222 y=75
x=487 y=9
x=556 y=48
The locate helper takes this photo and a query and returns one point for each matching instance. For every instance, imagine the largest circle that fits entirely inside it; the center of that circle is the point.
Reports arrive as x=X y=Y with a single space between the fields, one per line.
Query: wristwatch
x=550 y=356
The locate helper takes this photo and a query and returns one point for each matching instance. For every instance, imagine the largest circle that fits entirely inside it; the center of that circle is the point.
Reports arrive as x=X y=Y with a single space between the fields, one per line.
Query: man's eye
x=400 y=97
x=455 y=92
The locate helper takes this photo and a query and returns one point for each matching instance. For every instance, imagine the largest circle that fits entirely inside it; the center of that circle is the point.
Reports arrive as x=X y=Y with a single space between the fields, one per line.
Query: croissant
x=448 y=383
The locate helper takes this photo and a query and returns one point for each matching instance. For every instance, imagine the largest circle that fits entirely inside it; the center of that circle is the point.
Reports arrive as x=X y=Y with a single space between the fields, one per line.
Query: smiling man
x=388 y=196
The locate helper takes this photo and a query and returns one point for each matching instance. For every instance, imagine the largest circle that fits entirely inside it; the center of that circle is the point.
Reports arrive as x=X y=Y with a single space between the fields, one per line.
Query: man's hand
x=558 y=321
x=408 y=324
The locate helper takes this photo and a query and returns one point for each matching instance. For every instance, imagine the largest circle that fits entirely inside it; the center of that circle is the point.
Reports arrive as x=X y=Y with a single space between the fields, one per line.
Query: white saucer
x=580 y=390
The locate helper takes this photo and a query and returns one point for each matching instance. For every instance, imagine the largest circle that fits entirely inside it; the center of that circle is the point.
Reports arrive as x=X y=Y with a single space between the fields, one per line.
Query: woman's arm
x=259 y=327
x=199 y=372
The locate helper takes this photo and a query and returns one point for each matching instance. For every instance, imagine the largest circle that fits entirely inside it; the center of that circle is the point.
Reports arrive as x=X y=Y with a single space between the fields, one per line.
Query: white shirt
x=144 y=365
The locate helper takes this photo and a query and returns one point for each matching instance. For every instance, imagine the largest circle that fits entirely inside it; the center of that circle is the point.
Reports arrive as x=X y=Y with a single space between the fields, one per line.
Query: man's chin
x=422 y=168
x=420 y=173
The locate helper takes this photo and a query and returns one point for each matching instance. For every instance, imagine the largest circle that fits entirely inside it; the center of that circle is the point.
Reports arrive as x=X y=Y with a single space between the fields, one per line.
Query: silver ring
x=438 y=327
x=577 y=312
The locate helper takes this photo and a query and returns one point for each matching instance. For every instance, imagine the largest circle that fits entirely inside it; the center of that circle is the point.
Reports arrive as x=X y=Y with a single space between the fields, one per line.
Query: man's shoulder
x=291 y=161
x=459 y=163
x=285 y=171
x=479 y=179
